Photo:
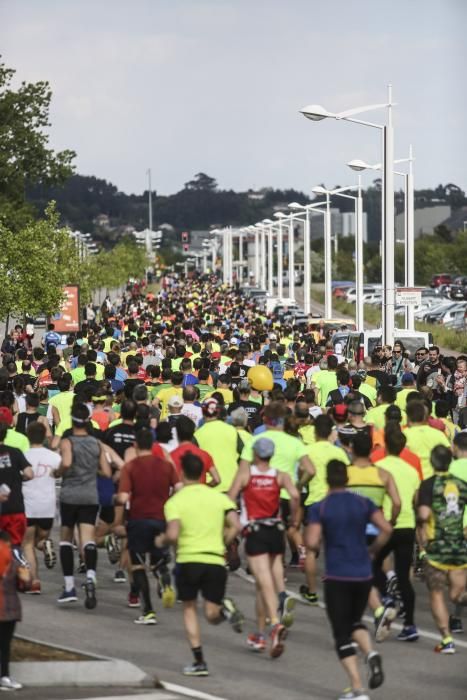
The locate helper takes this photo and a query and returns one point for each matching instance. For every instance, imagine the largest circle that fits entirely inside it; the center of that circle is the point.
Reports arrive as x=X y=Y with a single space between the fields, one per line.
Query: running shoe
x=308 y=596
x=50 y=557
x=7 y=683
x=113 y=548
x=90 y=600
x=301 y=557
x=375 y=670
x=81 y=567
x=167 y=591
x=68 y=596
x=408 y=634
x=133 y=600
x=455 y=625
x=119 y=576
x=446 y=646
x=256 y=642
x=294 y=560
x=349 y=694
x=277 y=638
x=392 y=587
x=286 y=610
x=383 y=618
x=196 y=669
x=232 y=614
x=148 y=619
x=35 y=588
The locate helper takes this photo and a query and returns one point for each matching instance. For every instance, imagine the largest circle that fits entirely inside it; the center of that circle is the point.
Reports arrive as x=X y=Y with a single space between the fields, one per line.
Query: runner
x=145 y=484
x=83 y=458
x=259 y=486
x=341 y=520
x=201 y=522
x=442 y=502
x=39 y=503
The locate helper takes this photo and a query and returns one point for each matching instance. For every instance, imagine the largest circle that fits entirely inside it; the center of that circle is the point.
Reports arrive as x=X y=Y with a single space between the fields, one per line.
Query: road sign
x=409 y=296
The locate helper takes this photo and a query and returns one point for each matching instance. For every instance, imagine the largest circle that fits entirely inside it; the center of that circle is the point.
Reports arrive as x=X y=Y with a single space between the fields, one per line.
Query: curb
x=98 y=671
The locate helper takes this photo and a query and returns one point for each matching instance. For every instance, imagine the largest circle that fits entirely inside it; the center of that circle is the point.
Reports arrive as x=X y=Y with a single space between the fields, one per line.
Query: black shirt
x=12 y=463
x=129 y=385
x=253 y=410
x=120 y=437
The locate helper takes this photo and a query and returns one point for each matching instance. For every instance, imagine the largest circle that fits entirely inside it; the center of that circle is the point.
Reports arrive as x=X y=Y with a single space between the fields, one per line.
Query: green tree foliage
x=25 y=156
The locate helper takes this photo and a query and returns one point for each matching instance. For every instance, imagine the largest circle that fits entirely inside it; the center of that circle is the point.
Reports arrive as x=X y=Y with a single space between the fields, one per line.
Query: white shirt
x=194 y=413
x=39 y=493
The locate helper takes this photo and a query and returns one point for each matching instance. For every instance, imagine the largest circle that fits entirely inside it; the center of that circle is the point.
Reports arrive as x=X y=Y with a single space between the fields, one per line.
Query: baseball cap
x=407 y=377
x=175 y=401
x=6 y=415
x=264 y=448
x=315 y=411
x=340 y=410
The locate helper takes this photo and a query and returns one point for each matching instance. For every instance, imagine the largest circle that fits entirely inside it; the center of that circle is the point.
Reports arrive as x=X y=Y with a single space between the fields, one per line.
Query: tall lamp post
x=270 y=255
x=409 y=242
x=262 y=253
x=307 y=208
x=280 y=254
x=317 y=113
x=340 y=192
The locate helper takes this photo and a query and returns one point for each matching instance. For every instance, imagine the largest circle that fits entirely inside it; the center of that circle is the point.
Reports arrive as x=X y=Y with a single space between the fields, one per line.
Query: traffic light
x=186 y=247
x=185 y=236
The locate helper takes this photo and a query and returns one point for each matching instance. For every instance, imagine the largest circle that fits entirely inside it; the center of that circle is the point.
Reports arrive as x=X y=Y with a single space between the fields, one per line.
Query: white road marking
x=145 y=696
x=188 y=692
x=395 y=625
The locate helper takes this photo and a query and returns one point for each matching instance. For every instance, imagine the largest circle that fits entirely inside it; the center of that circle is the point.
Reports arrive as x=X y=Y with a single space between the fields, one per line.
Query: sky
x=215 y=86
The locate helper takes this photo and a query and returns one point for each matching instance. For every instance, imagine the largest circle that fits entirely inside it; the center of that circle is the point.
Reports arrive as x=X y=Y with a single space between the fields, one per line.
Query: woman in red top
x=260 y=487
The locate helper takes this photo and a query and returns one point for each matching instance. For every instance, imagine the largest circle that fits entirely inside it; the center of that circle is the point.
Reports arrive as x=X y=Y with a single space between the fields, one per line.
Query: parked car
x=455 y=319
x=440 y=278
x=434 y=315
x=458 y=288
x=351 y=295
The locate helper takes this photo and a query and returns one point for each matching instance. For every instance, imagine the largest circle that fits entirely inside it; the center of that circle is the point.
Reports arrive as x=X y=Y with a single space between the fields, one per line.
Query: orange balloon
x=260 y=378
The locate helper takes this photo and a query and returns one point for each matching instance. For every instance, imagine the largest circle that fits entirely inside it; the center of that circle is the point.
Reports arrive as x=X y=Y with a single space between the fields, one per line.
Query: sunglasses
x=396 y=352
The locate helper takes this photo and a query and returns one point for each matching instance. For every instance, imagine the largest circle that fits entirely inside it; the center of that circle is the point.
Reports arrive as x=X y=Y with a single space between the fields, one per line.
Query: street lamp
x=340 y=192
x=269 y=223
x=409 y=242
x=262 y=253
x=306 y=208
x=317 y=113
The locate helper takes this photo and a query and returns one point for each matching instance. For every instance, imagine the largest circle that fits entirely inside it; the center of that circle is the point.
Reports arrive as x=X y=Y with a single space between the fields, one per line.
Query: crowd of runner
x=189 y=434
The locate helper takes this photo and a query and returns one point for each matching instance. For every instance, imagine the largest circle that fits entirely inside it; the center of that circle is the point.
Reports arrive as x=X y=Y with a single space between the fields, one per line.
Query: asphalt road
x=308 y=668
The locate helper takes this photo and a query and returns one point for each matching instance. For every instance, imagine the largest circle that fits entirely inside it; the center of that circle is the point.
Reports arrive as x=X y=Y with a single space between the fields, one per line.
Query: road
x=308 y=668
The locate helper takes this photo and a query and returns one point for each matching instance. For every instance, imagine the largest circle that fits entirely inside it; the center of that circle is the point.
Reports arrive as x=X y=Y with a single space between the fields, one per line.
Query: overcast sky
x=184 y=86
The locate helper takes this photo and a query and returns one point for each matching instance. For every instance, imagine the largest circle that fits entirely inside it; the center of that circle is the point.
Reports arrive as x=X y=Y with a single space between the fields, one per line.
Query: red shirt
x=204 y=456
x=260 y=497
x=406 y=454
x=148 y=480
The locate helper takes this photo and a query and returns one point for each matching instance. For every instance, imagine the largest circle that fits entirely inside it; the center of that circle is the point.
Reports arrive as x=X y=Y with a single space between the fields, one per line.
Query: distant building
x=426 y=219
x=457 y=221
x=342 y=224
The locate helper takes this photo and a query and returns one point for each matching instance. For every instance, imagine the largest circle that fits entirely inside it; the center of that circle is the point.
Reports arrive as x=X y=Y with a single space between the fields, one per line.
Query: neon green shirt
x=220 y=440
x=326 y=381
x=201 y=511
x=407 y=482
x=320 y=453
x=18 y=440
x=289 y=450
x=421 y=439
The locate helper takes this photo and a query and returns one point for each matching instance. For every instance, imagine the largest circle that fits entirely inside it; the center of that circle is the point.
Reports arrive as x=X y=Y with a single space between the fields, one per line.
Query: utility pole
x=150 y=199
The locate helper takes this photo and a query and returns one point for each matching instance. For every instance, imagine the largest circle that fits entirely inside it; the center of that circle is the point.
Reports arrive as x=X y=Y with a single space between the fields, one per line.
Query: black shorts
x=265 y=539
x=107 y=514
x=41 y=523
x=208 y=579
x=72 y=514
x=284 y=507
x=141 y=535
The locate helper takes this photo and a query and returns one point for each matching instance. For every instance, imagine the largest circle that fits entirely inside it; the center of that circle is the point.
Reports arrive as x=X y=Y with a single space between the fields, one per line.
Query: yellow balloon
x=260 y=378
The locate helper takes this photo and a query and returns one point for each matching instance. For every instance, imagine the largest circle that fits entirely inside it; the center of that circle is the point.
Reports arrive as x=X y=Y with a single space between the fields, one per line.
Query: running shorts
x=15 y=525
x=208 y=579
x=437 y=579
x=264 y=539
x=41 y=523
x=107 y=514
x=141 y=535
x=72 y=514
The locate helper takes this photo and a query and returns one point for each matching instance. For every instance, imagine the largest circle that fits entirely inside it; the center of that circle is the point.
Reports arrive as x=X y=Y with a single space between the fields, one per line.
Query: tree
x=25 y=156
x=35 y=264
x=203 y=182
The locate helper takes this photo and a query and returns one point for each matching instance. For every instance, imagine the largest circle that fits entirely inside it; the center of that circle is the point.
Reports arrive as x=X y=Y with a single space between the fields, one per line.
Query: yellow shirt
x=320 y=453
x=221 y=441
x=421 y=439
x=164 y=397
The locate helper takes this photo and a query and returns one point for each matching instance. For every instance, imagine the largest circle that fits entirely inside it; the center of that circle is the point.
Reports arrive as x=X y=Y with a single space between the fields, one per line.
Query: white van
x=362 y=344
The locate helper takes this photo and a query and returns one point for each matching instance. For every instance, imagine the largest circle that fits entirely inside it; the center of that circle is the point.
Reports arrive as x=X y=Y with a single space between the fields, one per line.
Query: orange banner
x=68 y=318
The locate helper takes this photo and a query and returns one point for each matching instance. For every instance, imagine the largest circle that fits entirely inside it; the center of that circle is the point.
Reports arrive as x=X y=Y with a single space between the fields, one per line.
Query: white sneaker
x=350 y=694
x=7 y=683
